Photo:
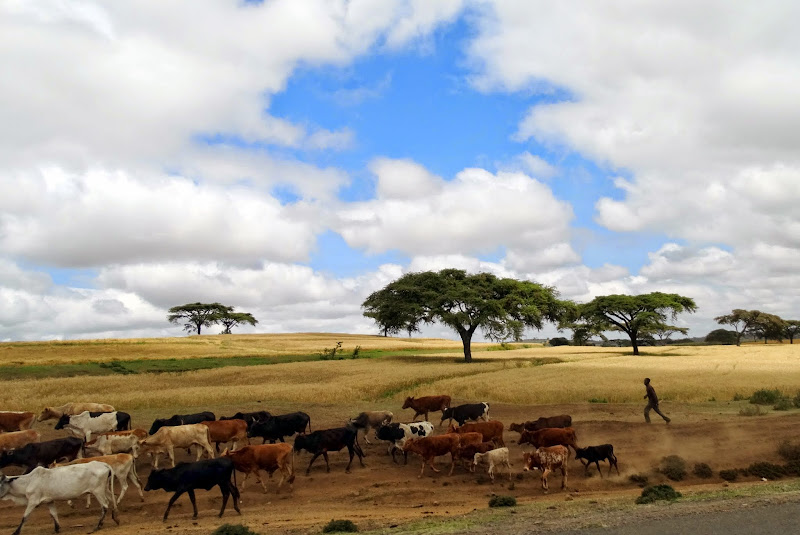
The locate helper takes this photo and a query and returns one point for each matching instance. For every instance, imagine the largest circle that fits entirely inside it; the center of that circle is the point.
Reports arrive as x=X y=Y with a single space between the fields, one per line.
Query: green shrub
x=789 y=451
x=729 y=475
x=598 y=400
x=356 y=351
x=502 y=501
x=702 y=470
x=558 y=341
x=674 y=467
x=766 y=470
x=233 y=529
x=751 y=411
x=783 y=404
x=792 y=468
x=639 y=479
x=721 y=336
x=766 y=397
x=658 y=492
x=796 y=400
x=337 y=526
x=739 y=397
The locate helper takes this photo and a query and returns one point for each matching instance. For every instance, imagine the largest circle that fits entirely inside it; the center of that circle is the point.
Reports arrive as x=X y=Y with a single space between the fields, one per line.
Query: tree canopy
x=636 y=315
x=231 y=319
x=740 y=320
x=195 y=316
x=791 y=330
x=502 y=308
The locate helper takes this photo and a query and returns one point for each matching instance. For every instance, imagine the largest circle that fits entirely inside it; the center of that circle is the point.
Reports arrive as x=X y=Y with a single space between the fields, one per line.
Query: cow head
x=526 y=461
x=389 y=432
x=581 y=453
x=446 y=413
x=411 y=445
x=47 y=413
x=408 y=402
x=6 y=458
x=517 y=428
x=526 y=438
x=262 y=427
x=477 y=459
x=157 y=480
x=300 y=442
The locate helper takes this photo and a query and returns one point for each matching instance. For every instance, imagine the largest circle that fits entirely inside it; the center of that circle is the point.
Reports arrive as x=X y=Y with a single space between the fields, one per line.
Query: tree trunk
x=635 y=342
x=198 y=328
x=466 y=339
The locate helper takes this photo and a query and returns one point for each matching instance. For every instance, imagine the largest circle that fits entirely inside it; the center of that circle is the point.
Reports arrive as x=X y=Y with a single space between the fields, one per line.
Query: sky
x=290 y=158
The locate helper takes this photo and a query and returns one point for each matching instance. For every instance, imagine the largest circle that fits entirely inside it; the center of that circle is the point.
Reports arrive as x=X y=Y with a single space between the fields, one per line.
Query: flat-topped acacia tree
x=195 y=316
x=502 y=308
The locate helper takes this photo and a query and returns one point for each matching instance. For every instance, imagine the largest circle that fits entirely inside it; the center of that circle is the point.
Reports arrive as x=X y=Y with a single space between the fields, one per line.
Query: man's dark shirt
x=651 y=395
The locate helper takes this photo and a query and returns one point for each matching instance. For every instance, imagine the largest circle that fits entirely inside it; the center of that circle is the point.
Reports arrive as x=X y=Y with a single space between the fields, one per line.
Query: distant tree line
x=756 y=324
x=196 y=316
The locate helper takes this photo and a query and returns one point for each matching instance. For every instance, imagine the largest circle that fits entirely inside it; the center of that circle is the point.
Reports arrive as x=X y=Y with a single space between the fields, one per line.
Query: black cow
x=186 y=477
x=469 y=411
x=321 y=442
x=181 y=419
x=249 y=417
x=282 y=425
x=43 y=453
x=595 y=454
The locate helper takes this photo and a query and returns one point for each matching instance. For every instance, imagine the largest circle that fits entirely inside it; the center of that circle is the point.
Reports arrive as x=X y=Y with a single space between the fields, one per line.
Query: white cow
x=124 y=468
x=110 y=444
x=494 y=458
x=46 y=485
x=166 y=439
x=84 y=424
x=54 y=413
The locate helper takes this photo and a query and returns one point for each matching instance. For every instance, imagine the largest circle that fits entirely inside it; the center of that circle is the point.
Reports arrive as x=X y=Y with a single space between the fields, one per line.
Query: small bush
x=558 y=341
x=658 y=492
x=639 y=479
x=502 y=501
x=796 y=400
x=598 y=400
x=340 y=526
x=751 y=411
x=792 y=468
x=233 y=529
x=783 y=404
x=766 y=397
x=789 y=451
x=729 y=475
x=330 y=354
x=739 y=397
x=766 y=470
x=702 y=470
x=356 y=351
x=674 y=467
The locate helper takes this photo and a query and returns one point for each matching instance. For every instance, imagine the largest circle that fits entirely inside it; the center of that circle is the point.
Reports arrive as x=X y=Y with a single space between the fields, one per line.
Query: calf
x=466 y=452
x=186 y=477
x=15 y=421
x=321 y=442
x=547 y=460
x=550 y=437
x=431 y=447
x=226 y=431
x=494 y=458
x=595 y=454
x=545 y=422
x=371 y=420
x=462 y=413
x=426 y=404
x=124 y=467
x=397 y=434
x=111 y=444
x=181 y=419
x=282 y=425
x=168 y=438
x=249 y=417
x=267 y=457
x=17 y=439
x=86 y=423
x=71 y=409
x=43 y=453
x=45 y=485
x=492 y=431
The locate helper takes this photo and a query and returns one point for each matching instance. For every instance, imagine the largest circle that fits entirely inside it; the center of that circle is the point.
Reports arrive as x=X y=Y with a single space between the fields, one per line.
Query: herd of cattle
x=104 y=446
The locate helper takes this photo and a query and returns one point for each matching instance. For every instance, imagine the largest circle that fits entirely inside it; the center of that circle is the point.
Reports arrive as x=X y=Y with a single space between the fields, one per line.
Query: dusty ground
x=384 y=495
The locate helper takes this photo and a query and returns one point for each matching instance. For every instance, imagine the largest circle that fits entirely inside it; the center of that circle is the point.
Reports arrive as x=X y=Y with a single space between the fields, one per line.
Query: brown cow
x=548 y=460
x=17 y=439
x=545 y=422
x=427 y=404
x=267 y=457
x=550 y=437
x=72 y=409
x=467 y=453
x=227 y=431
x=141 y=434
x=15 y=421
x=431 y=447
x=492 y=430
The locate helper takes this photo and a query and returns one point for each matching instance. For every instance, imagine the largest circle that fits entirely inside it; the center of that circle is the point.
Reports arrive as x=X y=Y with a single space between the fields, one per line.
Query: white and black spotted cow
x=397 y=434
x=464 y=413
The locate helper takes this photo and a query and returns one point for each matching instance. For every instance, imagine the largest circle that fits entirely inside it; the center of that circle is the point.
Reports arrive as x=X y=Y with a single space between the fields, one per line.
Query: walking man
x=652 y=402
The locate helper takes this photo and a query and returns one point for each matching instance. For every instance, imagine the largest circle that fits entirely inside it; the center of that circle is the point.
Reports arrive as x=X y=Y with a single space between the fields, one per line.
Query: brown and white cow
x=548 y=460
x=11 y=421
x=427 y=404
x=72 y=409
x=111 y=444
x=124 y=468
x=492 y=430
x=267 y=457
x=431 y=447
x=223 y=431
x=550 y=437
x=17 y=439
x=166 y=439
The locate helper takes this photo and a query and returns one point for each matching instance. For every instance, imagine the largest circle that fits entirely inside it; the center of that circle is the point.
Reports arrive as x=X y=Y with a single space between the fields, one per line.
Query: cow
x=141 y=434
x=431 y=447
x=17 y=439
x=43 y=453
x=545 y=422
x=168 y=438
x=397 y=434
x=124 y=467
x=281 y=425
x=46 y=485
x=492 y=431
x=186 y=477
x=249 y=417
x=462 y=413
x=466 y=453
x=371 y=420
x=71 y=409
x=86 y=423
x=550 y=437
x=111 y=444
x=494 y=458
x=426 y=404
x=267 y=457
x=595 y=454
x=548 y=459
x=227 y=431
x=15 y=421
x=321 y=442
x=181 y=419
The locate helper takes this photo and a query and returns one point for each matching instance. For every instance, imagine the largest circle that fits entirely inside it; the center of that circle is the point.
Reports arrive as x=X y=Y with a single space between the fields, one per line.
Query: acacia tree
x=394 y=309
x=231 y=319
x=501 y=308
x=768 y=326
x=635 y=315
x=741 y=320
x=791 y=329
x=195 y=316
x=663 y=332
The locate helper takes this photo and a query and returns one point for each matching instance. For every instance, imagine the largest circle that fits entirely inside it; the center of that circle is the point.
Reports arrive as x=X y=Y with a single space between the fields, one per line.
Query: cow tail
x=113 y=496
x=309 y=424
x=358 y=449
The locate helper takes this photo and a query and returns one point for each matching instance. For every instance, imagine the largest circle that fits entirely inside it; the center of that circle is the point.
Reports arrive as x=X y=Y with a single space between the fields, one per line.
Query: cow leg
x=209 y=450
x=226 y=492
x=563 y=477
x=169 y=505
x=194 y=503
x=597 y=463
x=99 y=525
x=134 y=477
x=452 y=463
x=88 y=500
x=123 y=485
x=28 y=510
x=423 y=469
x=327 y=463
x=508 y=466
x=54 y=514
x=545 y=471
x=171 y=454
x=314 y=458
x=236 y=496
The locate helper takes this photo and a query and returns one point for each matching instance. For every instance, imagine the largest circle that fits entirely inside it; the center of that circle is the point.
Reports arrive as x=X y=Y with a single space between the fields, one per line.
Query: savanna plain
x=703 y=389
